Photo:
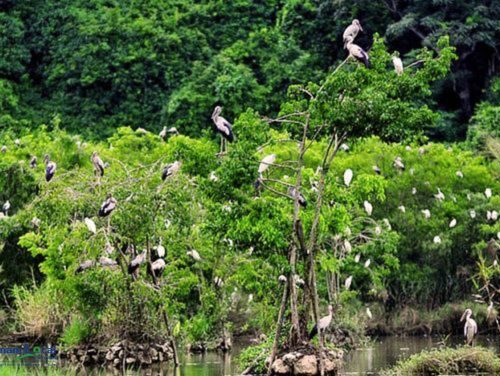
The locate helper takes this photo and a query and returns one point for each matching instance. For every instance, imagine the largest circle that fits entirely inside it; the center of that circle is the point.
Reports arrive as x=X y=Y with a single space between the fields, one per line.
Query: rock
x=110 y=355
x=120 y=354
x=116 y=362
x=290 y=358
x=160 y=357
x=306 y=366
x=280 y=368
x=130 y=360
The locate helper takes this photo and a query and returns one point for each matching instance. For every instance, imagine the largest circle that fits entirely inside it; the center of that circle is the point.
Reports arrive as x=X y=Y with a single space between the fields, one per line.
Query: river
x=379 y=354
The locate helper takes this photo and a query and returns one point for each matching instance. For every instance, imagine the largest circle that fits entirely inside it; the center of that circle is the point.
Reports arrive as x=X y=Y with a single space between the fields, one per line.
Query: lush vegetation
x=84 y=76
x=462 y=360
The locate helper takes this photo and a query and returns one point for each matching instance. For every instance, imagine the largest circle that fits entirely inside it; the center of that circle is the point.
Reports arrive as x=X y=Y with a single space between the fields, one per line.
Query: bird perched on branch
x=322 y=324
x=98 y=164
x=171 y=169
x=358 y=54
x=108 y=206
x=295 y=194
x=156 y=268
x=50 y=168
x=224 y=127
x=398 y=65
x=351 y=32
x=6 y=207
x=84 y=266
x=133 y=267
x=470 y=327
x=33 y=162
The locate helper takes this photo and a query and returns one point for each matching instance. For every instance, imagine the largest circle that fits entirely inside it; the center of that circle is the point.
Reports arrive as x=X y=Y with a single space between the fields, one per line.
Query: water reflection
x=381 y=353
x=385 y=352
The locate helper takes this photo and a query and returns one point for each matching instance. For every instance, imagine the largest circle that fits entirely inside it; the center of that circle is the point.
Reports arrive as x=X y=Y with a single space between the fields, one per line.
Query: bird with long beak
x=224 y=127
x=98 y=164
x=351 y=32
x=470 y=327
x=357 y=53
x=323 y=323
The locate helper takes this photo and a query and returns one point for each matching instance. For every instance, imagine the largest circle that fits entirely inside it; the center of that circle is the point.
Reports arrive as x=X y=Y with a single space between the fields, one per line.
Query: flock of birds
x=156 y=267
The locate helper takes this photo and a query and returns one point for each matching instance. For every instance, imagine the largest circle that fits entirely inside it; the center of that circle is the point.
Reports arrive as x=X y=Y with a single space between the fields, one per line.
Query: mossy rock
x=462 y=360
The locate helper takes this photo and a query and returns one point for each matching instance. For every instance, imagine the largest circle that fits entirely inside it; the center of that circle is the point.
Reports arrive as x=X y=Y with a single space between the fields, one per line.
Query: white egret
x=90 y=225
x=348 y=174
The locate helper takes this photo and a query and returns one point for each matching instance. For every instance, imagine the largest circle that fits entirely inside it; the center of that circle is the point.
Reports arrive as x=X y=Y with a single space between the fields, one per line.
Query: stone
x=306 y=366
x=110 y=355
x=116 y=362
x=130 y=360
x=280 y=368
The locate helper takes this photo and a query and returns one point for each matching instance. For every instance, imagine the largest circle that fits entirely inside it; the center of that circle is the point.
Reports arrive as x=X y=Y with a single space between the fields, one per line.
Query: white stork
x=470 y=327
x=50 y=168
x=358 y=53
x=224 y=127
x=323 y=323
x=351 y=32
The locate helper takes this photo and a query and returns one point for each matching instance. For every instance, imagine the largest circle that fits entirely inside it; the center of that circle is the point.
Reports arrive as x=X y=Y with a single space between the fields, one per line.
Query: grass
x=461 y=360
x=45 y=371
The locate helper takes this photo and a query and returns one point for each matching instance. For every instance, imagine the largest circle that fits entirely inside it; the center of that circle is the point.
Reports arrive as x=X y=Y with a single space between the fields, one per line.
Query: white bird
x=387 y=223
x=472 y=214
x=163 y=133
x=414 y=191
x=367 y=263
x=453 y=223
x=348 y=282
x=368 y=208
x=437 y=239
x=398 y=65
x=351 y=32
x=398 y=163
x=171 y=169
x=402 y=208
x=348 y=174
x=426 y=213
x=377 y=170
x=299 y=281
x=218 y=282
x=378 y=230
x=282 y=278
x=356 y=259
x=470 y=327
x=459 y=174
x=137 y=261
x=160 y=250
x=6 y=207
x=295 y=194
x=369 y=313
x=323 y=323
x=213 y=177
x=347 y=246
x=498 y=235
x=488 y=215
x=494 y=215
x=90 y=225
x=107 y=262
x=98 y=164
x=194 y=254
x=17 y=142
x=224 y=127
x=36 y=222
x=440 y=195
x=265 y=162
x=358 y=54
x=50 y=168
x=344 y=147
x=4 y=149
x=488 y=192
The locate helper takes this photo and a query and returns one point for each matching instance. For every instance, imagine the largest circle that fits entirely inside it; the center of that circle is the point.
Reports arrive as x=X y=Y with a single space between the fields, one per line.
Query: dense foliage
x=101 y=65
x=105 y=68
